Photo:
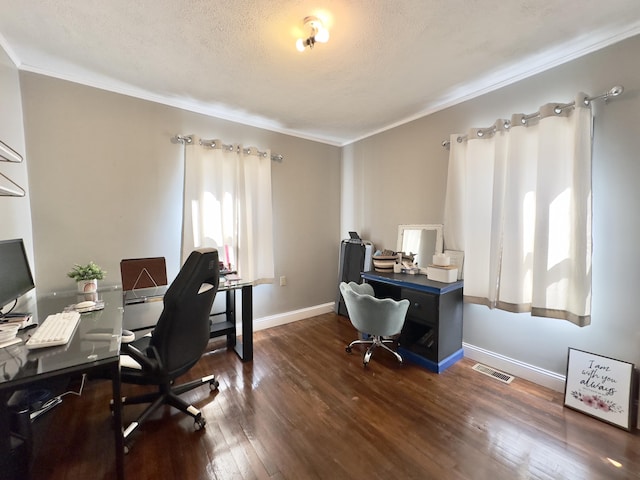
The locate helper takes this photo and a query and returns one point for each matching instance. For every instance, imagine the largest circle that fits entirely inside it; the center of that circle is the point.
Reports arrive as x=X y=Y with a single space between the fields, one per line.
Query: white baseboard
x=294 y=316
x=516 y=368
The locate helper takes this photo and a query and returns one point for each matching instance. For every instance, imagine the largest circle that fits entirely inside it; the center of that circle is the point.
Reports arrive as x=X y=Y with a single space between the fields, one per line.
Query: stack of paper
x=8 y=332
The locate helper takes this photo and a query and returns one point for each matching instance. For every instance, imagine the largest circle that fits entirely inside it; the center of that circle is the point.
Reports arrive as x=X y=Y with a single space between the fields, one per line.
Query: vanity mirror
x=422 y=240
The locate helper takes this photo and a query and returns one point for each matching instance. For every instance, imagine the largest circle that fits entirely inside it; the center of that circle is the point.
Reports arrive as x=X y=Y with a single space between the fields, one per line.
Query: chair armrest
x=138 y=356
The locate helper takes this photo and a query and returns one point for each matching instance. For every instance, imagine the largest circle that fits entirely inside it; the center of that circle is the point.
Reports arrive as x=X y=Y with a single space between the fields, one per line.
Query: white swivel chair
x=376 y=317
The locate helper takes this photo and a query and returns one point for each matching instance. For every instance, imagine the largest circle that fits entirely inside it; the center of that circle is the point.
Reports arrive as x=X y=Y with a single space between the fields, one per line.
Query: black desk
x=432 y=331
x=94 y=348
x=142 y=308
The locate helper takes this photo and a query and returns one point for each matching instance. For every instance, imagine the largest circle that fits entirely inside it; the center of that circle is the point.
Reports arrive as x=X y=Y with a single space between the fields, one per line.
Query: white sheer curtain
x=228 y=205
x=518 y=204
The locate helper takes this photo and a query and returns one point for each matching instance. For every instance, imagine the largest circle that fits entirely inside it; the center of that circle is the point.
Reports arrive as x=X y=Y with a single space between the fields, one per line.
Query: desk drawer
x=423 y=306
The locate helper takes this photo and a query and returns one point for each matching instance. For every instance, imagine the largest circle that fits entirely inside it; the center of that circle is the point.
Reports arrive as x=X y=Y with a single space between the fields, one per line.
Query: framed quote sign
x=600 y=386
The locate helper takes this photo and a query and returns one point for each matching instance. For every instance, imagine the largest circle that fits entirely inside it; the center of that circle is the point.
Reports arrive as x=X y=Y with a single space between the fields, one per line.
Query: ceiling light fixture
x=317 y=33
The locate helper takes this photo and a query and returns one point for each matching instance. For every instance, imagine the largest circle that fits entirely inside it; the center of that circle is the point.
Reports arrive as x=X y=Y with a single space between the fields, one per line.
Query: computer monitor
x=15 y=273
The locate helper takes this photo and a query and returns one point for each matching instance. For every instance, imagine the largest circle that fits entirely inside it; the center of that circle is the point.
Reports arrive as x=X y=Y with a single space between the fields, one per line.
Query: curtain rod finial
x=615 y=91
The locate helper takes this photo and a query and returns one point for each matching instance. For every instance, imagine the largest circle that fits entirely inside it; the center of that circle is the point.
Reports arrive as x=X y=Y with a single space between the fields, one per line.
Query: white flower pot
x=87 y=286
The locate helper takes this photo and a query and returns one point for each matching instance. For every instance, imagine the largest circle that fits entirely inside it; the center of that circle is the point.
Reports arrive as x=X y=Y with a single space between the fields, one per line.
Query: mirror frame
x=437 y=227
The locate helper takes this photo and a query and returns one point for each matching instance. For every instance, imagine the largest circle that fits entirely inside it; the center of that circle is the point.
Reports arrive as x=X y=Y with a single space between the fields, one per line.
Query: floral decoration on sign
x=597 y=402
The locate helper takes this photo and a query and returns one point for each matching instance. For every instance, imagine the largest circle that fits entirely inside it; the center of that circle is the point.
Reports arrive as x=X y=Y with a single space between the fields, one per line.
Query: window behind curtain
x=228 y=205
x=519 y=205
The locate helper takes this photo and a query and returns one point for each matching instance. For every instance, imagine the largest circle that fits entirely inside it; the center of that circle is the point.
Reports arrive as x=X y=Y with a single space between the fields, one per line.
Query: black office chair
x=177 y=342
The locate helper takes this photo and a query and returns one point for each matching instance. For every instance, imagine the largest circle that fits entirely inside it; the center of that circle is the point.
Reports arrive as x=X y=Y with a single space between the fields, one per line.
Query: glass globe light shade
x=322 y=35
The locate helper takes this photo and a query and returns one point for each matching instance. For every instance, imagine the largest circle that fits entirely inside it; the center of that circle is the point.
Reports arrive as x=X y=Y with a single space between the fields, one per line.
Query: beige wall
x=393 y=178
x=399 y=177
x=106 y=184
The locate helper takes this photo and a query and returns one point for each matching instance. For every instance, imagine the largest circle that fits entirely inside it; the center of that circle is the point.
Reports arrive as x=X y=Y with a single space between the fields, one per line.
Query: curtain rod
x=188 y=140
x=612 y=92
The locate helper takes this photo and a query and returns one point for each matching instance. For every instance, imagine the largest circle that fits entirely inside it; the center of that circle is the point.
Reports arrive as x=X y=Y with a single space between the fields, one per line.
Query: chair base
x=167 y=395
x=374 y=341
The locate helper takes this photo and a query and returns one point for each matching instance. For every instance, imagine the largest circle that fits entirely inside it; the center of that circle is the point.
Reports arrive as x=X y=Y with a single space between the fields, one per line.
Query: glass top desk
x=142 y=308
x=94 y=347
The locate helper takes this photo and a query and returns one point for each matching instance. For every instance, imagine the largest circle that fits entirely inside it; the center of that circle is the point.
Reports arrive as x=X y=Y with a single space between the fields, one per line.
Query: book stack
x=23 y=320
x=8 y=332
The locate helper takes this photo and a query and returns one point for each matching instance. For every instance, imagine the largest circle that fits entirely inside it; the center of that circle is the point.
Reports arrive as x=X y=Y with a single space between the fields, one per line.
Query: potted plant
x=87 y=276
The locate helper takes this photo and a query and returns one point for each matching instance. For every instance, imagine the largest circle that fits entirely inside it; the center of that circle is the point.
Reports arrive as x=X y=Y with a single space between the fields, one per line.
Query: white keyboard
x=57 y=329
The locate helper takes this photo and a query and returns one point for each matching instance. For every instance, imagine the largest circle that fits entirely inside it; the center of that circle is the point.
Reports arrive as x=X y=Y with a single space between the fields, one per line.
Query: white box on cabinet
x=442 y=274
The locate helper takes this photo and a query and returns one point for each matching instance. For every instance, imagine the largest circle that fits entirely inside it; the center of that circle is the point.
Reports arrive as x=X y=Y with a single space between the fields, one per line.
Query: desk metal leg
x=245 y=349
x=14 y=464
x=117 y=420
x=6 y=464
x=230 y=313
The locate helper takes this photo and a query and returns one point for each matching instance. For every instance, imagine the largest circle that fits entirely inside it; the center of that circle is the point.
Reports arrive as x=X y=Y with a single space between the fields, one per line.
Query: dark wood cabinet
x=432 y=332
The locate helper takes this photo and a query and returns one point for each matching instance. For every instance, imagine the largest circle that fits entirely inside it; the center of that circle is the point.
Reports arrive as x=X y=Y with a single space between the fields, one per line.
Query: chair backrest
x=143 y=272
x=368 y=314
x=182 y=332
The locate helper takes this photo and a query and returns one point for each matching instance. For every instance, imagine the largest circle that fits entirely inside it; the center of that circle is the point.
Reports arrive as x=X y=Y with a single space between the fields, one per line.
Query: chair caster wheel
x=214 y=384
x=126 y=449
x=348 y=349
x=199 y=423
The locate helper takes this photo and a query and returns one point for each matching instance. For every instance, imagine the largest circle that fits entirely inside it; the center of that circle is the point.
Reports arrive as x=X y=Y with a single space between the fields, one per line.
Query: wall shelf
x=8 y=154
x=9 y=188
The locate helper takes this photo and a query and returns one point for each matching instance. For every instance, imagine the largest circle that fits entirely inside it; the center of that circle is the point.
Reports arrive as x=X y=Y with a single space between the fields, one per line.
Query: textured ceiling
x=386 y=62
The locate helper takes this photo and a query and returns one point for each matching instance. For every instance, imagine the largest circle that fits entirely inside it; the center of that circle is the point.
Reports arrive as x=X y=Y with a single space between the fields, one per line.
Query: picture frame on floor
x=601 y=387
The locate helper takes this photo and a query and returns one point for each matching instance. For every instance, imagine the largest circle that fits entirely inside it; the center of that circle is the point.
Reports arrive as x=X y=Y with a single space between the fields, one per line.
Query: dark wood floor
x=305 y=409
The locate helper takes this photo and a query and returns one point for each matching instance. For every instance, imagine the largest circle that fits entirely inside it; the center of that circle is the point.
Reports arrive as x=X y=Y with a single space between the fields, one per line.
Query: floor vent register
x=492 y=372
